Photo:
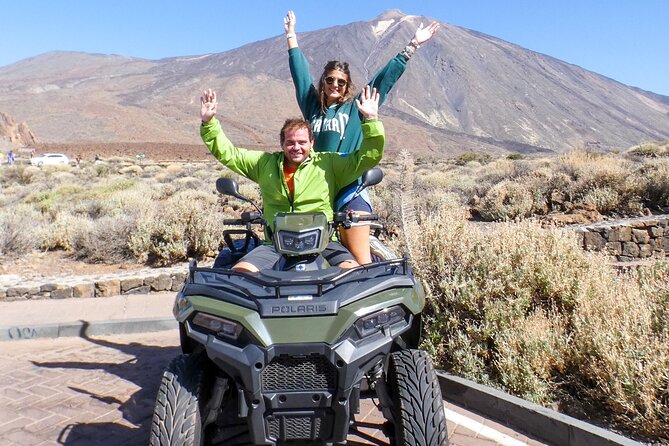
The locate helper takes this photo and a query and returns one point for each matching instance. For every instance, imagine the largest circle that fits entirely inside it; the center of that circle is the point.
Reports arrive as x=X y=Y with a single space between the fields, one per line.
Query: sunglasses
x=331 y=80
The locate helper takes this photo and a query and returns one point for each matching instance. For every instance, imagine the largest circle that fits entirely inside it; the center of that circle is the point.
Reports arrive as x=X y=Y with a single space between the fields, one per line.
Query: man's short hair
x=295 y=124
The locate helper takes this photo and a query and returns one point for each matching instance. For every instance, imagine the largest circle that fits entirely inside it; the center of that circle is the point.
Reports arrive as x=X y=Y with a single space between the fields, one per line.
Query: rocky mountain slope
x=462 y=91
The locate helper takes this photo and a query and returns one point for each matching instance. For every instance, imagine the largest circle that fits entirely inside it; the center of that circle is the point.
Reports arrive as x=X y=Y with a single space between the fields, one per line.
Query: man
x=297 y=179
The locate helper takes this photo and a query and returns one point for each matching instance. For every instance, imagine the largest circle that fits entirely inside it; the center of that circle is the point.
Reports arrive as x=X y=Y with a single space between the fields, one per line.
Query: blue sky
x=622 y=39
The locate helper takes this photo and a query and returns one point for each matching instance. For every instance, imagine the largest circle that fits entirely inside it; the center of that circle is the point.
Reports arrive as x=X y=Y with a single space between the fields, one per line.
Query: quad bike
x=285 y=355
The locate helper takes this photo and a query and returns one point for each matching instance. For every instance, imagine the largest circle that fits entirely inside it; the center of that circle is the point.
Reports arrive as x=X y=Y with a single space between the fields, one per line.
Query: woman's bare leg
x=356 y=240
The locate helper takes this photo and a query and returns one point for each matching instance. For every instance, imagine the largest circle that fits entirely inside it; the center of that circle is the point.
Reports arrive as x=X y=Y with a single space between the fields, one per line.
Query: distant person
x=329 y=107
x=296 y=179
x=10 y=158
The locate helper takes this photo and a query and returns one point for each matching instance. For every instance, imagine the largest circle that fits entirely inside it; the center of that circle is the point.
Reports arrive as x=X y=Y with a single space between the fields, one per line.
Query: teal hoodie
x=316 y=181
x=338 y=129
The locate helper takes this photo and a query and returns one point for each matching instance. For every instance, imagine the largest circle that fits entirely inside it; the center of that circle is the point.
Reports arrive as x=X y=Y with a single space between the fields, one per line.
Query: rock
x=61 y=293
x=83 y=290
x=178 y=280
x=131 y=283
x=594 y=240
x=162 y=282
x=107 y=288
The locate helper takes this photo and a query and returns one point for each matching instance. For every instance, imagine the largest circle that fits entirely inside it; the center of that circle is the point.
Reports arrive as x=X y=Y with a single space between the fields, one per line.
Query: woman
x=335 y=121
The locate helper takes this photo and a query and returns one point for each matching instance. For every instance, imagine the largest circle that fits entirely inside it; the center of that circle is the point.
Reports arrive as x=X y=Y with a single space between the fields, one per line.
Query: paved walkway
x=100 y=391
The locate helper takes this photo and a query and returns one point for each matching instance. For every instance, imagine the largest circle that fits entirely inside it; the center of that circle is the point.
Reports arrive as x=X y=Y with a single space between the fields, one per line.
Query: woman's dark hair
x=350 y=87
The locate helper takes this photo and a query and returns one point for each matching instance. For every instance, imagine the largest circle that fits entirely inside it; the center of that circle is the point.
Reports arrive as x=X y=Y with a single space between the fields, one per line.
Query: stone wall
x=630 y=239
x=105 y=285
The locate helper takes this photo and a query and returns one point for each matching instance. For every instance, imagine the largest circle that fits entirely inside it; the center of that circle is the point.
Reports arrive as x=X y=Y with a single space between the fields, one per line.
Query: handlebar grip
x=369 y=217
x=232 y=222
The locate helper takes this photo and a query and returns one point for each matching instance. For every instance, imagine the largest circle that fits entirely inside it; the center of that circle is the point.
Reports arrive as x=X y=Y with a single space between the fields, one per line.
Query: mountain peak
x=390 y=14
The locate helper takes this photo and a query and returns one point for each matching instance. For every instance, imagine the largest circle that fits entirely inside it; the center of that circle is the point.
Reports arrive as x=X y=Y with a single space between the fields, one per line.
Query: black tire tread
x=417 y=401
x=176 y=416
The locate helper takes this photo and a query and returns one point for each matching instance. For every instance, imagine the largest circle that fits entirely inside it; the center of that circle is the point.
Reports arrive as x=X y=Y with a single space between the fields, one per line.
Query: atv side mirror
x=228 y=186
x=371 y=177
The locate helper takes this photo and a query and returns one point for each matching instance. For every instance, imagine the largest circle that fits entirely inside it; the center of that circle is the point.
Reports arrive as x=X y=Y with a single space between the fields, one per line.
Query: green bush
x=469 y=157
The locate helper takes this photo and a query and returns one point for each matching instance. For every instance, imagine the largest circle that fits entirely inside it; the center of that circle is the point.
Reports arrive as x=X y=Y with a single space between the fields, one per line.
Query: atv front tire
x=176 y=415
x=417 y=405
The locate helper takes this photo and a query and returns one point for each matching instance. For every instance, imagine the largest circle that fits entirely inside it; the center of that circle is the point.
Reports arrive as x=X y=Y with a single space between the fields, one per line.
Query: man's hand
x=208 y=105
x=368 y=103
x=289 y=22
x=424 y=34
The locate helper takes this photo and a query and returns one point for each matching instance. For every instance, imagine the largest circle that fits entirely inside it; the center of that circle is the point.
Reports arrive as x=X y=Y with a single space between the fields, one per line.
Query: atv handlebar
x=245 y=219
x=363 y=217
x=348 y=219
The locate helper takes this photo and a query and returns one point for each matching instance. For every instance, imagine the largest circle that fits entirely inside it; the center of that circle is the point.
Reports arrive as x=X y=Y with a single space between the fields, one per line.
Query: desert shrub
x=526 y=310
x=192 y=183
x=61 y=232
x=52 y=169
x=208 y=175
x=158 y=242
x=655 y=189
x=19 y=173
x=152 y=170
x=651 y=149
x=604 y=199
x=135 y=202
x=131 y=170
x=16 y=230
x=166 y=190
x=515 y=156
x=174 y=168
x=104 y=169
x=105 y=240
x=53 y=201
x=186 y=225
x=507 y=200
x=469 y=157
x=250 y=190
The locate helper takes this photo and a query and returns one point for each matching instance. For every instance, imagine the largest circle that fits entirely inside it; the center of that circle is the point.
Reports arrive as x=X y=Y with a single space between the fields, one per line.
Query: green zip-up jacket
x=316 y=181
x=338 y=128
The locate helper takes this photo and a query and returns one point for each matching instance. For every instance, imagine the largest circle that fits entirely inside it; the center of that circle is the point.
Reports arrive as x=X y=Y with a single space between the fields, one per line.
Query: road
x=83 y=392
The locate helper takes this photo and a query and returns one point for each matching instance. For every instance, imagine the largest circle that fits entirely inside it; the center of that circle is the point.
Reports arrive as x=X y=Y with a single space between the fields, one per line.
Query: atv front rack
x=332 y=287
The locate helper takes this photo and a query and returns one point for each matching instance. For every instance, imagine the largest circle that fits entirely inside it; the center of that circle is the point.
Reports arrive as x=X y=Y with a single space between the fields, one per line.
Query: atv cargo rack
x=260 y=291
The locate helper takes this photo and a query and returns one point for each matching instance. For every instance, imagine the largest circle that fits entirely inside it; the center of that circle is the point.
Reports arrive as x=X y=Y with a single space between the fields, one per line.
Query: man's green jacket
x=316 y=181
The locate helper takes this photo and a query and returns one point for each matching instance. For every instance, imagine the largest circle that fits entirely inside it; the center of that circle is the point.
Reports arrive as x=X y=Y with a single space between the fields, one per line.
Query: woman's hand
x=424 y=34
x=208 y=105
x=368 y=103
x=289 y=22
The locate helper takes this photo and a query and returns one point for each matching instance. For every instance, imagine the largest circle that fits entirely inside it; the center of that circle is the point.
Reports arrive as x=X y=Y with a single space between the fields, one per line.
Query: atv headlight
x=300 y=234
x=298 y=243
x=220 y=326
x=374 y=322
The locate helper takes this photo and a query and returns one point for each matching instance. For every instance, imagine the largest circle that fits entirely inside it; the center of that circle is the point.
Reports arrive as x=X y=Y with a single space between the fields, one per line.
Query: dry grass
x=111 y=212
x=512 y=305
x=524 y=309
x=610 y=184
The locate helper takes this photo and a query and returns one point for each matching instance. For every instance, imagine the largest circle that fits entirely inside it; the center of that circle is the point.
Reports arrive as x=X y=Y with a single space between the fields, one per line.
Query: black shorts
x=357 y=204
x=265 y=256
